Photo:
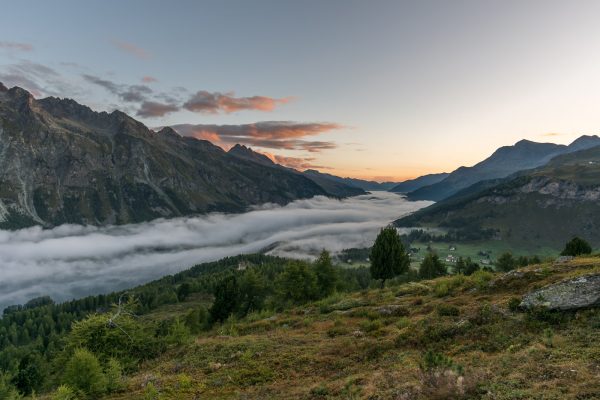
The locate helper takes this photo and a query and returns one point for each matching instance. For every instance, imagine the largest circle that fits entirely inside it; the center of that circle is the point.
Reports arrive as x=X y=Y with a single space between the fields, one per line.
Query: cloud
x=74 y=261
x=131 y=49
x=16 y=46
x=149 y=79
x=298 y=163
x=40 y=80
x=128 y=93
x=268 y=134
x=551 y=134
x=213 y=103
x=151 y=109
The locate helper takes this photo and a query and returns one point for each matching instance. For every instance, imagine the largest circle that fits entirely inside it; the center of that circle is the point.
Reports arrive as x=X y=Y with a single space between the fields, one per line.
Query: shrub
x=576 y=247
x=121 y=337
x=447 y=310
x=150 y=392
x=548 y=336
x=7 y=391
x=371 y=326
x=184 y=381
x=319 y=391
x=338 y=329
x=179 y=333
x=506 y=262
x=83 y=372
x=297 y=284
x=63 y=392
x=485 y=315
x=443 y=379
x=513 y=304
x=114 y=375
x=431 y=267
x=197 y=319
x=480 y=279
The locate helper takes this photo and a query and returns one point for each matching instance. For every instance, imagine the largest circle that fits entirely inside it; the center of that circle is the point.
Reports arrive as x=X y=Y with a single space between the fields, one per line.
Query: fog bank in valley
x=72 y=261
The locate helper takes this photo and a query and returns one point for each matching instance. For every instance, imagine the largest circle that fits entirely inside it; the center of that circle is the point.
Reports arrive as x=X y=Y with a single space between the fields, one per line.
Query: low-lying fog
x=72 y=261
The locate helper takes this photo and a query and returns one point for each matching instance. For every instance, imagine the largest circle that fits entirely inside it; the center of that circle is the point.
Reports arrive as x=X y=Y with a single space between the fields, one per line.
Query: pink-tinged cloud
x=16 y=46
x=269 y=134
x=152 y=109
x=131 y=49
x=551 y=134
x=149 y=79
x=298 y=163
x=214 y=103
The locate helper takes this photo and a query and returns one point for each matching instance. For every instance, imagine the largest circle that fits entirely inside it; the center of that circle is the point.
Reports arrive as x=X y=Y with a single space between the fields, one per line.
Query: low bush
x=447 y=310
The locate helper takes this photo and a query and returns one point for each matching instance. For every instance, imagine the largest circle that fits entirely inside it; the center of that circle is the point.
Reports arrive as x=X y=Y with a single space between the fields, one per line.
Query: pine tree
x=326 y=274
x=226 y=299
x=388 y=257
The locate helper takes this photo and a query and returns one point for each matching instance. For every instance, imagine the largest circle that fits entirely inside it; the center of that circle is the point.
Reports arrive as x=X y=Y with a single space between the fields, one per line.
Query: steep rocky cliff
x=61 y=162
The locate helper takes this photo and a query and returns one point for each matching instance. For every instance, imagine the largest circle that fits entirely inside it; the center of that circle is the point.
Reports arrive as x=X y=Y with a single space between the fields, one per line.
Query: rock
x=563 y=259
x=580 y=292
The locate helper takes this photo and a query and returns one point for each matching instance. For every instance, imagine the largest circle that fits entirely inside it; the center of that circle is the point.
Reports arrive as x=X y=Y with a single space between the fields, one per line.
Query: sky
x=384 y=90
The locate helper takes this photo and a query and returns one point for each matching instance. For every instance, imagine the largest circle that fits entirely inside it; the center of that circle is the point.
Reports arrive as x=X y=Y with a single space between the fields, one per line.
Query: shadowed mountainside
x=61 y=162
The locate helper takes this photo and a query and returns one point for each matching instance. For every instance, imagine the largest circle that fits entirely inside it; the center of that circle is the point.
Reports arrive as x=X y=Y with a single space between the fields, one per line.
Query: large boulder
x=580 y=292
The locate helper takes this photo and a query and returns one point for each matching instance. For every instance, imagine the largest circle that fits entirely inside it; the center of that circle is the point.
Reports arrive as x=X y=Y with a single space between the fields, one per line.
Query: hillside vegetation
x=448 y=338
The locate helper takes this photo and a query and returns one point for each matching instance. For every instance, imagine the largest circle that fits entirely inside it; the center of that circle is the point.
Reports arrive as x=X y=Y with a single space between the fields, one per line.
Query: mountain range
x=543 y=206
x=61 y=162
x=352 y=182
x=417 y=183
x=503 y=162
x=333 y=185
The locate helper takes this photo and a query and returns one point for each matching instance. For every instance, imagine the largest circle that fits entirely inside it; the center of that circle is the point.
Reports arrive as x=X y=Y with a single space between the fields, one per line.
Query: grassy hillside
x=542 y=207
x=453 y=337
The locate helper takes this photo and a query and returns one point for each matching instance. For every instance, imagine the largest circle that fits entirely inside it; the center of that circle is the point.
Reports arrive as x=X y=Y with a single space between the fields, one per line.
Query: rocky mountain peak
x=167 y=130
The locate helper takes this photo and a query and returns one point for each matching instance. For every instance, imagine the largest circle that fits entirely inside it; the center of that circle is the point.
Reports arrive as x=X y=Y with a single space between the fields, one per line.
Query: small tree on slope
x=388 y=257
x=576 y=247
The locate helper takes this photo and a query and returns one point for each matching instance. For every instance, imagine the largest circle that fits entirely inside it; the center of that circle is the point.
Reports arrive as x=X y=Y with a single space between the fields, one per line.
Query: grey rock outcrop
x=580 y=292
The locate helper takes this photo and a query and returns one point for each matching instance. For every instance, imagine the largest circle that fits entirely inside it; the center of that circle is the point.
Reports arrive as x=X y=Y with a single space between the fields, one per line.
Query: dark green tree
x=431 y=267
x=253 y=291
x=465 y=266
x=388 y=257
x=297 y=284
x=471 y=266
x=226 y=299
x=326 y=274
x=29 y=376
x=183 y=291
x=506 y=262
x=576 y=247
x=461 y=266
